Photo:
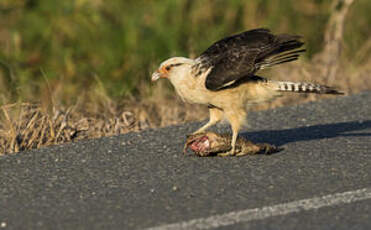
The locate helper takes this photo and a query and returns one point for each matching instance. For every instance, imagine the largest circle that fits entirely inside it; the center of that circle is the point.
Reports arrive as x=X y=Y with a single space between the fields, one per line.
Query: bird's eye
x=168 y=68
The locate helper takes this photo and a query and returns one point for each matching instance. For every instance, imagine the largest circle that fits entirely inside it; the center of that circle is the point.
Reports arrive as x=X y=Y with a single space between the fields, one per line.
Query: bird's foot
x=227 y=154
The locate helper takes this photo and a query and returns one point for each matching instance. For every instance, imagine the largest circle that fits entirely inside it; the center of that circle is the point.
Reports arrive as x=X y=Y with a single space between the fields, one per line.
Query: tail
x=301 y=87
x=285 y=49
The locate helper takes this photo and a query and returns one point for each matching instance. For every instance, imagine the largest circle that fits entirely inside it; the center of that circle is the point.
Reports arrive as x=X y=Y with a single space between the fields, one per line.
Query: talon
x=227 y=154
x=241 y=154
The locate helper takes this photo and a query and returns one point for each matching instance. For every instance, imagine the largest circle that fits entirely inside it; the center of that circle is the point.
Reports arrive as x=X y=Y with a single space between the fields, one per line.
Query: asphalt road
x=321 y=180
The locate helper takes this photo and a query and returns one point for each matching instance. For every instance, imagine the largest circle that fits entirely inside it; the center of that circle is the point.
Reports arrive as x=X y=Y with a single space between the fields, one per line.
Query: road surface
x=321 y=180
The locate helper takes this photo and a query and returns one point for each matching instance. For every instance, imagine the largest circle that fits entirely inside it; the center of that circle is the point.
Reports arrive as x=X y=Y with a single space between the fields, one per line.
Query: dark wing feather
x=238 y=56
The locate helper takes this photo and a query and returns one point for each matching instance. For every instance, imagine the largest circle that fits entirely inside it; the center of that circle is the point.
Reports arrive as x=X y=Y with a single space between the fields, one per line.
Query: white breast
x=191 y=89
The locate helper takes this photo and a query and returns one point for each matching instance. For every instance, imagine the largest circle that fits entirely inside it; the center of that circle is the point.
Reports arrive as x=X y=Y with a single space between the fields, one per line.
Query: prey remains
x=213 y=144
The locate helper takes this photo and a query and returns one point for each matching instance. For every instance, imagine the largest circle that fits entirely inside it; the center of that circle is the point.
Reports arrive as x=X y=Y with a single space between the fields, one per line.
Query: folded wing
x=236 y=58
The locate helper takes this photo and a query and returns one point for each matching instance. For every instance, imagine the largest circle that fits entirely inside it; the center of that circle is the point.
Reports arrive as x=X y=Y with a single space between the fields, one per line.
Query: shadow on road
x=281 y=137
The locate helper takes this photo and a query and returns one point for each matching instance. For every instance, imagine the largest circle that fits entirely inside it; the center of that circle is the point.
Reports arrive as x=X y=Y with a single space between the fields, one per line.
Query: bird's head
x=172 y=67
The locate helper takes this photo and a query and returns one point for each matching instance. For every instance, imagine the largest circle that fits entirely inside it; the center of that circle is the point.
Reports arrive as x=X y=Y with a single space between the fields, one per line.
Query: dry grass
x=26 y=126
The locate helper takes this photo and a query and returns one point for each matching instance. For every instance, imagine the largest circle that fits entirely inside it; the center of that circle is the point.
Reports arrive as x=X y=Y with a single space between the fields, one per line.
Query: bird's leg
x=233 y=142
x=236 y=119
x=215 y=116
x=231 y=152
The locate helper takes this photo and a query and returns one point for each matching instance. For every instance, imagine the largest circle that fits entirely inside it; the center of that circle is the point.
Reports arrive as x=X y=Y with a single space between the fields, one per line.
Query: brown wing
x=241 y=55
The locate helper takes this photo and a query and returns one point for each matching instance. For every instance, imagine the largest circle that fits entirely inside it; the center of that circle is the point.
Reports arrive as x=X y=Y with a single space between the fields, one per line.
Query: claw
x=227 y=154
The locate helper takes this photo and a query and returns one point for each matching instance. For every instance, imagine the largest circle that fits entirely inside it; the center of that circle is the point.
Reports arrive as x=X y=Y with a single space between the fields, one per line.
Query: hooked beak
x=155 y=76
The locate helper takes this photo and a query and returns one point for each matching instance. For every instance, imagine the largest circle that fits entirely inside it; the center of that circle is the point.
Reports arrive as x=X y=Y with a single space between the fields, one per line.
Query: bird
x=223 y=77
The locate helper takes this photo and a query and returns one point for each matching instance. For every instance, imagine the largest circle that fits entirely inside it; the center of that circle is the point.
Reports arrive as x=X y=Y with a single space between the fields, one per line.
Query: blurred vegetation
x=76 y=69
x=73 y=46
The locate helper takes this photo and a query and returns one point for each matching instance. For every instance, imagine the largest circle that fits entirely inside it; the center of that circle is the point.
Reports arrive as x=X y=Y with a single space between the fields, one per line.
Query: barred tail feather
x=301 y=87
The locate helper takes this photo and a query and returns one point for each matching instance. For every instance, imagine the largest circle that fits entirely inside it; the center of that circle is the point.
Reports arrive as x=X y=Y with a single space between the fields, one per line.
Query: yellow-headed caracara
x=223 y=77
